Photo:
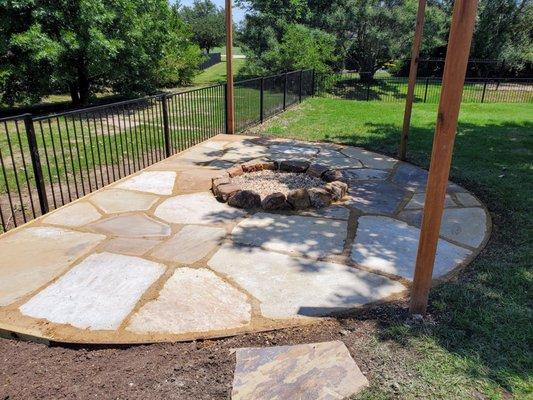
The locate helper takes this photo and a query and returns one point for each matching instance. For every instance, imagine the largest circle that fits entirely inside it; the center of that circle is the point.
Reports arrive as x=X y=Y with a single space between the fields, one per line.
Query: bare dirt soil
x=195 y=370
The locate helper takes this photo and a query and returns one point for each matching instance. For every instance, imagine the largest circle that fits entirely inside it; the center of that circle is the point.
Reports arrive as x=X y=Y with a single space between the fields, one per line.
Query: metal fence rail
x=348 y=85
x=51 y=160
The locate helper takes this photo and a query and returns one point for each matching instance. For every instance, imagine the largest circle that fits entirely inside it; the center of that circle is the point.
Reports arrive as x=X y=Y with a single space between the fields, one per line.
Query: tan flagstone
x=31 y=257
x=130 y=246
x=74 y=215
x=131 y=225
x=157 y=182
x=370 y=159
x=193 y=300
x=315 y=371
x=198 y=179
x=190 y=244
x=119 y=201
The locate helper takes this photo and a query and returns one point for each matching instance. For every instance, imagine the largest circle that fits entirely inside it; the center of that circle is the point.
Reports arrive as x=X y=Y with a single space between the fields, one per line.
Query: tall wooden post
x=415 y=52
x=462 y=26
x=230 y=103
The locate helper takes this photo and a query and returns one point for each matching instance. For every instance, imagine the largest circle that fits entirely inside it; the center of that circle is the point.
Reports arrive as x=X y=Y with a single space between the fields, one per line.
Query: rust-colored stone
x=316 y=170
x=337 y=189
x=254 y=166
x=299 y=199
x=319 y=197
x=294 y=166
x=274 y=201
x=246 y=199
x=223 y=192
x=235 y=171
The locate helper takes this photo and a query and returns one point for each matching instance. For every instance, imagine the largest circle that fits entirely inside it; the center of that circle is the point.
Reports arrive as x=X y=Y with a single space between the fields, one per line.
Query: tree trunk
x=83 y=84
x=74 y=93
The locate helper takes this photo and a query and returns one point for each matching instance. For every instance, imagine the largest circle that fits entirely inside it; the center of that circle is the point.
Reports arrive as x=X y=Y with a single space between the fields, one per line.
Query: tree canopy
x=207 y=23
x=127 y=46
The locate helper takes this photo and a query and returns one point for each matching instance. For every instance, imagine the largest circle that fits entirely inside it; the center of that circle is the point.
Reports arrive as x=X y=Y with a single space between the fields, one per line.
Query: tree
x=128 y=46
x=207 y=23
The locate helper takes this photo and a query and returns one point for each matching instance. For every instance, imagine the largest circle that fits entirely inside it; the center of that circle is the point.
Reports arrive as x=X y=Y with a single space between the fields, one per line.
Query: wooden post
x=230 y=103
x=415 y=51
x=462 y=26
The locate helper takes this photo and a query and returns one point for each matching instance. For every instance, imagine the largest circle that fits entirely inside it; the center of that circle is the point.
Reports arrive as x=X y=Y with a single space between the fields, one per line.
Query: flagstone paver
x=96 y=294
x=312 y=237
x=197 y=208
x=167 y=261
x=193 y=300
x=463 y=225
x=190 y=244
x=376 y=197
x=74 y=215
x=370 y=159
x=118 y=201
x=131 y=225
x=157 y=182
x=131 y=246
x=315 y=371
x=288 y=286
x=388 y=245
x=31 y=257
x=365 y=174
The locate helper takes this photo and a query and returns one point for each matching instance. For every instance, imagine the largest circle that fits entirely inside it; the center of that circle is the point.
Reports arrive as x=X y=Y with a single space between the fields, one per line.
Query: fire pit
x=279 y=185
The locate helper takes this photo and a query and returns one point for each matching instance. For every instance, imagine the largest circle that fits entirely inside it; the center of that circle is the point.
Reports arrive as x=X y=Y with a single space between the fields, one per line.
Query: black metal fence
x=348 y=85
x=51 y=160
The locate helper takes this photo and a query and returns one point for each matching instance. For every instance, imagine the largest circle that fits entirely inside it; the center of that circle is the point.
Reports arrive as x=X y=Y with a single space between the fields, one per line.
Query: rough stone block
x=245 y=199
x=274 y=201
x=297 y=166
x=319 y=197
x=224 y=192
x=337 y=189
x=332 y=175
x=299 y=199
x=316 y=170
x=255 y=165
x=235 y=171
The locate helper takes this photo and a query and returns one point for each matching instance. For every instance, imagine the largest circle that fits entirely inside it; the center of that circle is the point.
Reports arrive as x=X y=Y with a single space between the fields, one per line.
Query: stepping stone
x=466 y=226
x=335 y=212
x=290 y=287
x=365 y=174
x=77 y=214
x=316 y=371
x=193 y=300
x=197 y=208
x=197 y=180
x=291 y=150
x=467 y=200
x=338 y=162
x=96 y=294
x=370 y=159
x=376 y=197
x=31 y=257
x=131 y=225
x=215 y=144
x=312 y=237
x=414 y=179
x=130 y=246
x=418 y=200
x=190 y=244
x=119 y=201
x=157 y=182
x=388 y=245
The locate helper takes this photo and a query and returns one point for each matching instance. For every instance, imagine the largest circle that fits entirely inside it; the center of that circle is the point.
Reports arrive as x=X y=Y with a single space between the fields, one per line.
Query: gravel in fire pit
x=267 y=182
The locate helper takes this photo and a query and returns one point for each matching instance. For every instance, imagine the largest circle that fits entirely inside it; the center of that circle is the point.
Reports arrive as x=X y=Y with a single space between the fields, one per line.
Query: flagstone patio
x=155 y=257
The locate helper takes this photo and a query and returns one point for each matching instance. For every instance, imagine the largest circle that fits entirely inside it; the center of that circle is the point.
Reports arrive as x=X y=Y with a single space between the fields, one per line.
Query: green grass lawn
x=217 y=73
x=480 y=346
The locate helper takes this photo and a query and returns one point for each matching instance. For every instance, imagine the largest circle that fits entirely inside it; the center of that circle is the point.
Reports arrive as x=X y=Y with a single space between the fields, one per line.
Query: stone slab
x=97 y=294
x=376 y=197
x=370 y=159
x=388 y=245
x=315 y=371
x=414 y=179
x=291 y=287
x=131 y=225
x=196 y=208
x=467 y=200
x=74 y=215
x=193 y=300
x=294 y=234
x=118 y=201
x=462 y=225
x=31 y=257
x=130 y=246
x=197 y=180
x=157 y=182
x=338 y=162
x=292 y=150
x=419 y=199
x=365 y=174
x=334 y=211
x=190 y=244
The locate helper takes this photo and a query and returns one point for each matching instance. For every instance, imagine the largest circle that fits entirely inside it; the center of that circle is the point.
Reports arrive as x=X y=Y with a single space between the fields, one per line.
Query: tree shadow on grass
x=484 y=316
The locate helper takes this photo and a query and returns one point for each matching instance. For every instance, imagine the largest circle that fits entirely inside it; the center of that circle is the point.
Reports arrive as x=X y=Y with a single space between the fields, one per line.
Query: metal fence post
x=262 y=100
x=36 y=163
x=426 y=91
x=300 y=87
x=285 y=93
x=484 y=90
x=166 y=127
